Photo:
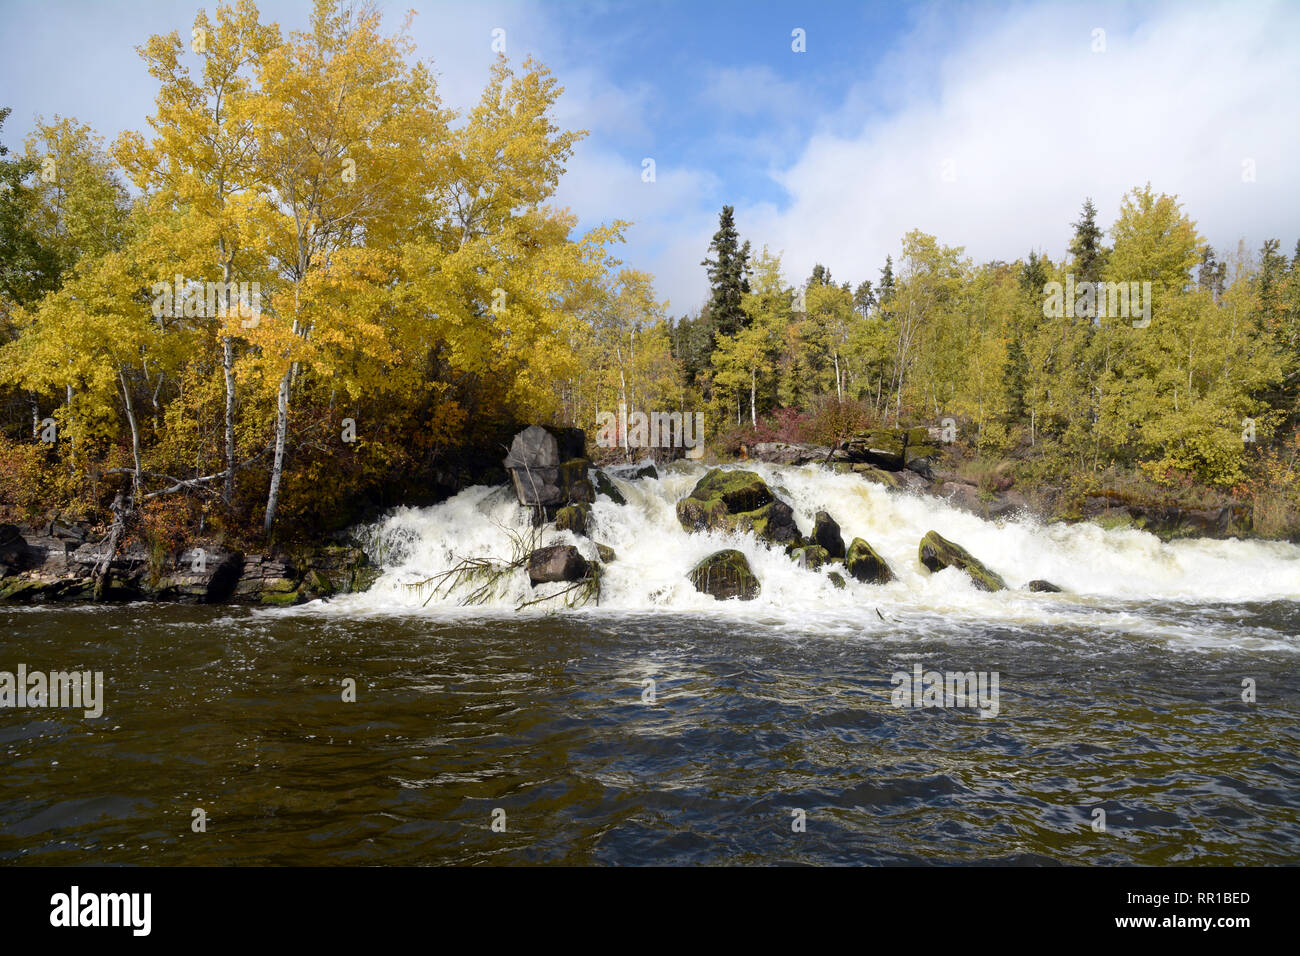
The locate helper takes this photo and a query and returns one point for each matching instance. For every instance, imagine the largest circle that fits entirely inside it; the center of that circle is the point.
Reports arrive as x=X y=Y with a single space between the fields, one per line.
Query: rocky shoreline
x=56 y=562
x=552 y=476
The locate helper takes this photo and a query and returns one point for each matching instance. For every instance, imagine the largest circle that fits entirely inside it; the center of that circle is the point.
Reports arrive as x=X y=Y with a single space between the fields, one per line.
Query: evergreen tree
x=1034 y=275
x=728 y=269
x=864 y=298
x=886 y=281
x=1086 y=248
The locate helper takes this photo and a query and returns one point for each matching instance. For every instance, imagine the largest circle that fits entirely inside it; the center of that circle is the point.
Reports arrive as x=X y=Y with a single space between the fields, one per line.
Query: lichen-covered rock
x=864 y=564
x=826 y=532
x=725 y=575
x=937 y=553
x=737 y=501
x=559 y=562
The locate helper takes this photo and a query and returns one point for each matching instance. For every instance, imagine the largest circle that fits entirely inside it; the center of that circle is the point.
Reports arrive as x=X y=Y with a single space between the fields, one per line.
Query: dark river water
x=543 y=724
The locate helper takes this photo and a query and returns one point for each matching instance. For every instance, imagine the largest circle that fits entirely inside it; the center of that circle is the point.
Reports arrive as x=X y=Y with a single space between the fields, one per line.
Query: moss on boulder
x=737 y=500
x=937 y=552
x=725 y=575
x=866 y=565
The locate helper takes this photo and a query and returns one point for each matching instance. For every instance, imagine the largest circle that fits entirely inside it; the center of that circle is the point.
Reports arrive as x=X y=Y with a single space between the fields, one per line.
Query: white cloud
x=1032 y=121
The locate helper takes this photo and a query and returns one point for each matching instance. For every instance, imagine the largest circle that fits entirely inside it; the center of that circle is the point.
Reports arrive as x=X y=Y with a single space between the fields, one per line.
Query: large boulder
x=548 y=468
x=889 y=448
x=863 y=563
x=788 y=453
x=937 y=553
x=725 y=574
x=200 y=576
x=737 y=501
x=826 y=532
x=559 y=562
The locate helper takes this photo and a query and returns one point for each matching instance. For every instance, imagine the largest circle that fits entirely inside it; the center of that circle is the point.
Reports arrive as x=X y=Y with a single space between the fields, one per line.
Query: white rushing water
x=1123 y=581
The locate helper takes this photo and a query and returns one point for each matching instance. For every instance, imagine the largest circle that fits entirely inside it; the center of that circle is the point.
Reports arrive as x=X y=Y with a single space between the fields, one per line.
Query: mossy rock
x=837 y=579
x=737 y=501
x=864 y=564
x=573 y=518
x=575 y=486
x=21 y=589
x=363 y=578
x=318 y=584
x=810 y=556
x=279 y=586
x=773 y=522
x=878 y=475
x=739 y=490
x=725 y=575
x=283 y=598
x=826 y=532
x=937 y=552
x=606 y=552
x=605 y=486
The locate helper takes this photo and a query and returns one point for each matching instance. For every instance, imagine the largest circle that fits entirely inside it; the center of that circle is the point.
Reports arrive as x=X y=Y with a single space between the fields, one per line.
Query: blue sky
x=984 y=124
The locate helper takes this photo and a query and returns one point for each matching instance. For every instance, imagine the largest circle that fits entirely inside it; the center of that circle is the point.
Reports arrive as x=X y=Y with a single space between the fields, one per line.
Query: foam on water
x=1117 y=581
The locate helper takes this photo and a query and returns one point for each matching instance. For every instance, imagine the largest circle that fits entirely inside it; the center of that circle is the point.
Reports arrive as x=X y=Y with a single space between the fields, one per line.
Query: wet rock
x=725 y=575
x=810 y=556
x=738 y=501
x=937 y=553
x=634 y=472
x=607 y=554
x=573 y=518
x=877 y=475
x=559 y=562
x=1043 y=586
x=864 y=564
x=837 y=579
x=604 y=485
x=826 y=533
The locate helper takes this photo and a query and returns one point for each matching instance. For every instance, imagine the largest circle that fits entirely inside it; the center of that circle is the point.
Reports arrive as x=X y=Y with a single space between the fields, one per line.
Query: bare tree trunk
x=281 y=433
x=228 y=366
x=135 y=434
x=753 y=386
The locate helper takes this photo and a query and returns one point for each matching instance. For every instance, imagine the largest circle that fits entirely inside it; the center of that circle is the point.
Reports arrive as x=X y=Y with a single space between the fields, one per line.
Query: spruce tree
x=1086 y=248
x=728 y=269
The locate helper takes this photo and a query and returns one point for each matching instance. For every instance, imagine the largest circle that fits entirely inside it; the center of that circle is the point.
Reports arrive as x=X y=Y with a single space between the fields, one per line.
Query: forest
x=310 y=287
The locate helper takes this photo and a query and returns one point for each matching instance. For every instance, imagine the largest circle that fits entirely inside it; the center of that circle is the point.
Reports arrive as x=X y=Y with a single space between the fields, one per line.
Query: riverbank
x=57 y=561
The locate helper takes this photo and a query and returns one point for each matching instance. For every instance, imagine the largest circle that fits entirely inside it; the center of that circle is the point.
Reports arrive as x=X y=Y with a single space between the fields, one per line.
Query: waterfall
x=1113 y=579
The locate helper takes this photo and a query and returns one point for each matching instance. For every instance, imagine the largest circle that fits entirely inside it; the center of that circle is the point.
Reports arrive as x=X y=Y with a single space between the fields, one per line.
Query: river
x=1150 y=714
